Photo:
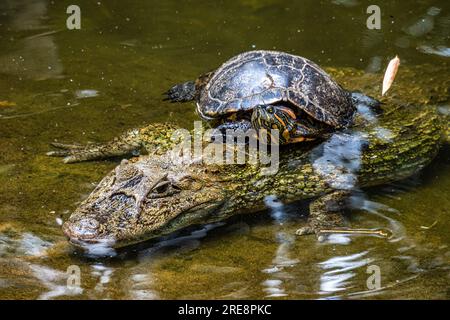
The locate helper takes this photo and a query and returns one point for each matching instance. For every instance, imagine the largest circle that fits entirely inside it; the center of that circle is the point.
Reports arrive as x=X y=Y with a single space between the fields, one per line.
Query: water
x=90 y=84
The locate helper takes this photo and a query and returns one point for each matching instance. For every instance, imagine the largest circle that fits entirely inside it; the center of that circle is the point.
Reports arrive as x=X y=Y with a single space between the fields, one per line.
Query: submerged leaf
x=5 y=103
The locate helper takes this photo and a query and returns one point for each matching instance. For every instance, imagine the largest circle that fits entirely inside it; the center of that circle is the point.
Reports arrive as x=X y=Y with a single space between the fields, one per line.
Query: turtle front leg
x=232 y=128
x=326 y=213
x=243 y=125
x=154 y=138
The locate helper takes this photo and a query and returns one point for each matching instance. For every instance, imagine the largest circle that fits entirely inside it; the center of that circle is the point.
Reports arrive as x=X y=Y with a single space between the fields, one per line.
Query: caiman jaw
x=135 y=203
x=85 y=232
x=82 y=230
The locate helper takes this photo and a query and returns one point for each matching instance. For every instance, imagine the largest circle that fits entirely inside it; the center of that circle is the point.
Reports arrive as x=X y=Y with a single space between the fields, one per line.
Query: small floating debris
x=423 y=26
x=88 y=93
x=44 y=34
x=371 y=232
x=390 y=74
x=439 y=50
x=59 y=221
x=346 y=3
x=129 y=43
x=6 y=103
x=445 y=110
x=429 y=227
x=32 y=245
x=126 y=105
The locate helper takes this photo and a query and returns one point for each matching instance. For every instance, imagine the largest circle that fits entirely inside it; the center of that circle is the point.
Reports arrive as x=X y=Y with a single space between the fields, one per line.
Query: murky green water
x=91 y=84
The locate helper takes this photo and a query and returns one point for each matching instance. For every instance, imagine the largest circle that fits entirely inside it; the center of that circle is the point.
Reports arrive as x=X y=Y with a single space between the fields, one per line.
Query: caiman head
x=144 y=199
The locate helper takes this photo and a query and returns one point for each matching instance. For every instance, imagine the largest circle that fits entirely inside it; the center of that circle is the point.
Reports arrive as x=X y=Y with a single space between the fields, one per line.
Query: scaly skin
x=153 y=195
x=154 y=139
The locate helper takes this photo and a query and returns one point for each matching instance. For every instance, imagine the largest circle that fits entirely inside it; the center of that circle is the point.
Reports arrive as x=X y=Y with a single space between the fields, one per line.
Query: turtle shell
x=269 y=77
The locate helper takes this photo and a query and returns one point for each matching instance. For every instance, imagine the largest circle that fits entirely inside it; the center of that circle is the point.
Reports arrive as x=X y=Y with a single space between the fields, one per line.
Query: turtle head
x=273 y=117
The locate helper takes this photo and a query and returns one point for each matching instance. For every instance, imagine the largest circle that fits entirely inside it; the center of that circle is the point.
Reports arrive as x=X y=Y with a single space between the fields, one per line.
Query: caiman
x=153 y=195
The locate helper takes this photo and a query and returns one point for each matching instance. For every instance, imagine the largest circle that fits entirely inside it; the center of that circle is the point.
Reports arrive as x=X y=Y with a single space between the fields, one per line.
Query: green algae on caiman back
x=151 y=195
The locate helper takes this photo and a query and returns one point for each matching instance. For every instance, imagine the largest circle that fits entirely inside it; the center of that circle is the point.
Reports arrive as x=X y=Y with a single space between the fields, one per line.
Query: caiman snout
x=84 y=229
x=136 y=202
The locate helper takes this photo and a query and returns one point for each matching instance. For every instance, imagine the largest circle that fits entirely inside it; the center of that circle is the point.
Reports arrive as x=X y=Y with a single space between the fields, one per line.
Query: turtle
x=271 y=90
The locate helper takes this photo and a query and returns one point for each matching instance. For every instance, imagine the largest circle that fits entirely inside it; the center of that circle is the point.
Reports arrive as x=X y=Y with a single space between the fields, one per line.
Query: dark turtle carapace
x=270 y=90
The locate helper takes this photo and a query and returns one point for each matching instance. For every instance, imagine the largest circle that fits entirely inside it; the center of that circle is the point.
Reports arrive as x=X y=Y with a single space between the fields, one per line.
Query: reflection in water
x=140 y=287
x=395 y=230
x=26 y=244
x=445 y=110
x=102 y=249
x=35 y=48
x=425 y=24
x=418 y=34
x=425 y=33
x=372 y=38
x=438 y=50
x=346 y=3
x=28 y=15
x=374 y=65
x=366 y=113
x=37 y=56
x=32 y=245
x=181 y=243
x=339 y=270
x=339 y=159
x=55 y=281
x=421 y=27
x=337 y=238
x=140 y=280
x=86 y=93
x=104 y=274
x=282 y=260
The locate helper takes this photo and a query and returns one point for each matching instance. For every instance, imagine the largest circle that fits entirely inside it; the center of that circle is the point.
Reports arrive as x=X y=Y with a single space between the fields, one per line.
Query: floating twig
x=376 y=232
x=429 y=227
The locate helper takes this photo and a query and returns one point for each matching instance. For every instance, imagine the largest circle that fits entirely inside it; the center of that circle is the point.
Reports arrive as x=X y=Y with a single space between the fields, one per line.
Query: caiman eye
x=162 y=187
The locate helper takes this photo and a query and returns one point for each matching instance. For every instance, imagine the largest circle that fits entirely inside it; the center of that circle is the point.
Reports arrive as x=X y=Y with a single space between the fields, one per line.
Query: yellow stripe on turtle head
x=280 y=120
x=289 y=112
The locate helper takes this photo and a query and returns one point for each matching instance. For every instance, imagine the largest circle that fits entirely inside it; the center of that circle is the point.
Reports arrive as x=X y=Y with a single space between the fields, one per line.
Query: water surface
x=91 y=84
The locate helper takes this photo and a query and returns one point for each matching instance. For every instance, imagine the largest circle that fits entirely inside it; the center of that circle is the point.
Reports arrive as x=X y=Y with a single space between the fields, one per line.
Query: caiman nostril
x=85 y=228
